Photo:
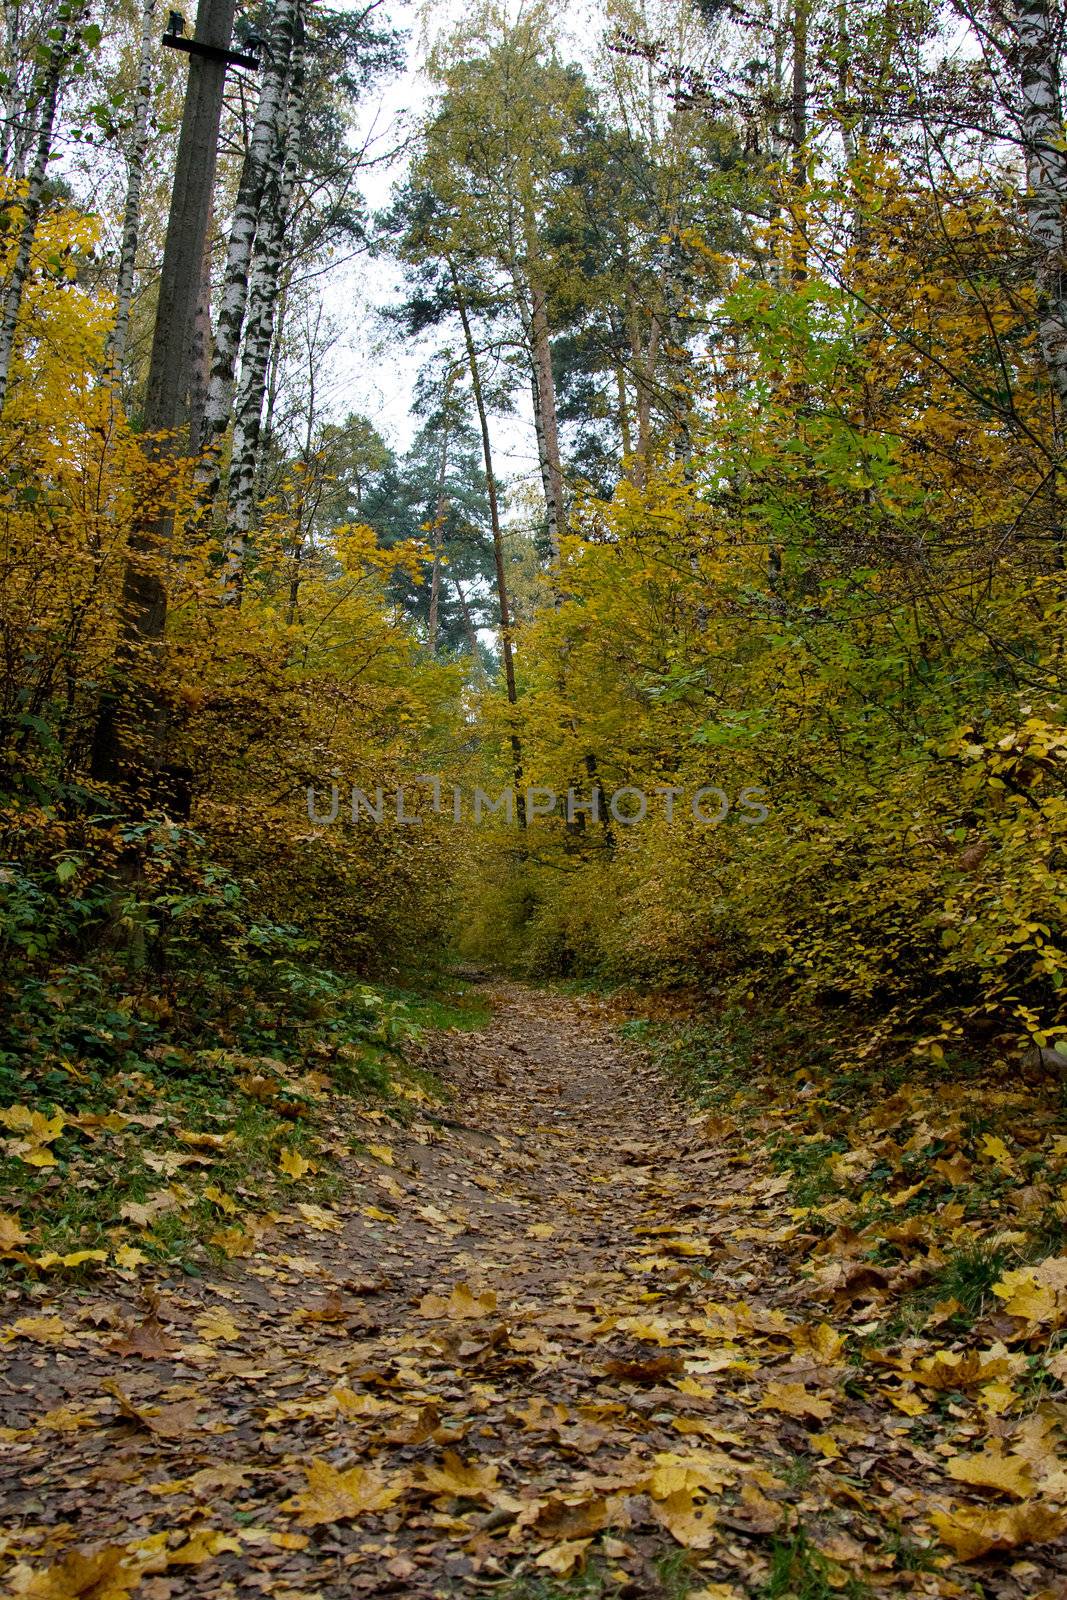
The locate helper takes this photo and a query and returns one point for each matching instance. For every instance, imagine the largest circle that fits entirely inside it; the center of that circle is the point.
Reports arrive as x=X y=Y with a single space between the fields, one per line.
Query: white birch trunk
x=1041 y=117
x=254 y=174
x=263 y=301
x=131 y=226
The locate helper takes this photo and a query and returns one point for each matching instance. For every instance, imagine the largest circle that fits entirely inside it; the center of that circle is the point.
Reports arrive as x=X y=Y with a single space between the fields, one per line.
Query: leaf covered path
x=554 y=1332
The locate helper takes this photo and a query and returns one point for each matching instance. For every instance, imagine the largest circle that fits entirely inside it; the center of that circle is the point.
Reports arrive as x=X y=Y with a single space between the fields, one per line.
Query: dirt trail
x=544 y=1330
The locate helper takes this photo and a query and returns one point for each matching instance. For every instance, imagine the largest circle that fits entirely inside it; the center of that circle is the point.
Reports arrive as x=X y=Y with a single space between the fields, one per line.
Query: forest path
x=545 y=1328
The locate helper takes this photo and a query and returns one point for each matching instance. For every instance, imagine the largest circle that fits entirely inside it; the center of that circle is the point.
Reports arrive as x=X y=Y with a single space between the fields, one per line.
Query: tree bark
x=549 y=432
x=131 y=225
x=440 y=515
x=494 y=517
x=1041 y=117
x=263 y=299
x=233 y=303
x=127 y=722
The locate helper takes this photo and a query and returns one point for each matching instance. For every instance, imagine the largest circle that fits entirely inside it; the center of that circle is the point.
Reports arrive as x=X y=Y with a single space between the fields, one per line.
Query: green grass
x=799 y=1572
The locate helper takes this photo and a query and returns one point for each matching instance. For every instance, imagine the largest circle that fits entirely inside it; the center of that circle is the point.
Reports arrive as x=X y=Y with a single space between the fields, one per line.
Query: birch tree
x=262 y=149
x=264 y=293
x=138 y=151
x=1039 y=31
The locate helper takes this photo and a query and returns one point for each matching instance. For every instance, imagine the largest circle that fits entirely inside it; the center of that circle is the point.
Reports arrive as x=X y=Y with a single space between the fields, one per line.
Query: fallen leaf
x=334 y=1496
x=973 y=1532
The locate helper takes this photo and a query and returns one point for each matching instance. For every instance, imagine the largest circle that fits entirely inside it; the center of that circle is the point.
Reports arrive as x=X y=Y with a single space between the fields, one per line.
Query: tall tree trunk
x=469 y=630
x=263 y=299
x=798 y=134
x=131 y=225
x=200 y=358
x=1039 y=59
x=32 y=204
x=127 y=723
x=546 y=405
x=644 y=379
x=494 y=517
x=439 y=519
x=262 y=148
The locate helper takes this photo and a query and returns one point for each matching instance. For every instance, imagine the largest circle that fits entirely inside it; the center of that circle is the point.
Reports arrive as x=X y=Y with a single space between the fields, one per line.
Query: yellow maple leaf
x=674 y=1473
x=826 y=1445
x=293 y=1164
x=234 y=1242
x=334 y=1496
x=691 y=1524
x=42 y=1330
x=207 y=1141
x=11 y=1232
x=562 y=1559
x=1024 y=1296
x=217 y=1327
x=382 y=1153
x=974 y=1532
x=322 y=1221
x=128 y=1257
x=460 y=1304
x=202 y=1545
x=992 y=1469
x=108 y=1573
x=464 y=1479
x=996 y=1150
x=794 y=1401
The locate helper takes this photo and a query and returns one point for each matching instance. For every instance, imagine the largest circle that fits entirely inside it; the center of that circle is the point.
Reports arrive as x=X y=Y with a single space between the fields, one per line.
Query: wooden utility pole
x=124 y=739
x=169 y=375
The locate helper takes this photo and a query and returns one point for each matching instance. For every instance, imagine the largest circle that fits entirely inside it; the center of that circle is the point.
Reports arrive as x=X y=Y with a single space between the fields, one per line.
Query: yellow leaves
x=992 y=1469
x=382 y=1153
x=104 y=1574
x=207 y=1141
x=334 y=1496
x=34 y=1133
x=293 y=1164
x=674 y=1473
x=822 y=1341
x=11 y=1233
x=217 y=1327
x=793 y=1400
x=995 y=1150
x=540 y=1230
x=465 y=1480
x=461 y=1305
x=234 y=1242
x=562 y=1560
x=41 y=1330
x=826 y=1445
x=956 y=1369
x=973 y=1532
x=1037 y=1294
x=202 y=1545
x=690 y=1523
x=319 y=1219
x=73 y=1258
x=129 y=1258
